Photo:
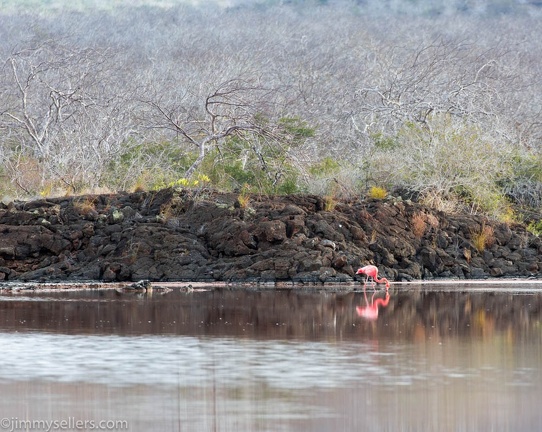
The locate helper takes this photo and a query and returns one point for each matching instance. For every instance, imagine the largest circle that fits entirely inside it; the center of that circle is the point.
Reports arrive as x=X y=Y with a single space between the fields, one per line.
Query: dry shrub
x=432 y=220
x=146 y=180
x=420 y=221
x=467 y=254
x=25 y=175
x=97 y=190
x=243 y=201
x=446 y=204
x=85 y=206
x=483 y=238
x=329 y=203
x=418 y=224
x=167 y=211
x=244 y=197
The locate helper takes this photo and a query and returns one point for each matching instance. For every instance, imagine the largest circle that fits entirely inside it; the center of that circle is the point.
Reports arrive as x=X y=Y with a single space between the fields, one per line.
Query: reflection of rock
x=420 y=315
x=170 y=235
x=186 y=288
x=142 y=285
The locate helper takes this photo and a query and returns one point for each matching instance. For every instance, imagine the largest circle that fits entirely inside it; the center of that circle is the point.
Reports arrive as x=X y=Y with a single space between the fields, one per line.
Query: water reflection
x=275 y=360
x=370 y=309
x=409 y=315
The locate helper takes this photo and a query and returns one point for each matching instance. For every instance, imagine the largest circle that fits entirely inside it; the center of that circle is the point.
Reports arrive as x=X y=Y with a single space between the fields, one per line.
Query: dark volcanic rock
x=207 y=236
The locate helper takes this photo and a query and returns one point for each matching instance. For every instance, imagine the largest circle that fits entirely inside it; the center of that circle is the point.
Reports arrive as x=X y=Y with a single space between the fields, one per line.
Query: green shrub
x=384 y=143
x=445 y=157
x=297 y=128
x=263 y=167
x=524 y=184
x=325 y=167
x=535 y=227
x=149 y=165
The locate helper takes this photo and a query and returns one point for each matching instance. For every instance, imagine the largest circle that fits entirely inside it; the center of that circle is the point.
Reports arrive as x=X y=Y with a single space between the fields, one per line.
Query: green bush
x=535 y=227
x=297 y=128
x=524 y=184
x=239 y=162
x=325 y=167
x=445 y=156
x=149 y=165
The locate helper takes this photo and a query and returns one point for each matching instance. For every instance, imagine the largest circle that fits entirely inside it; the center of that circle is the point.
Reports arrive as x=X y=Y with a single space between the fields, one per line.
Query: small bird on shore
x=371 y=271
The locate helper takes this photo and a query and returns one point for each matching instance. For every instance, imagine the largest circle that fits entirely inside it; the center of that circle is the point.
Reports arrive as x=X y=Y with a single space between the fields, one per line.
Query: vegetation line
x=275 y=97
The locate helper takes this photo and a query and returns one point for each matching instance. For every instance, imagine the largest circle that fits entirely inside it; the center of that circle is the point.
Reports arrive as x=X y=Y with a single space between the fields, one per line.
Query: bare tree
x=63 y=111
x=370 y=82
x=235 y=108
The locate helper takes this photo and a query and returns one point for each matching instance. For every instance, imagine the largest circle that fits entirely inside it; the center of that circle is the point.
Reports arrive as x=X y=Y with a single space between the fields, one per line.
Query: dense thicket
x=440 y=100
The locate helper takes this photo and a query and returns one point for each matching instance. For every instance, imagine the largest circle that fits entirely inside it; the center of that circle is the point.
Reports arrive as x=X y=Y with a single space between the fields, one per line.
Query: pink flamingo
x=371 y=271
x=370 y=312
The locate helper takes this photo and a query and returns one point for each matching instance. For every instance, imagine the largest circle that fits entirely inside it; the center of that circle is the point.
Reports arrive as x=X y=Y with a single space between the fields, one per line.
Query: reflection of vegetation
x=416 y=316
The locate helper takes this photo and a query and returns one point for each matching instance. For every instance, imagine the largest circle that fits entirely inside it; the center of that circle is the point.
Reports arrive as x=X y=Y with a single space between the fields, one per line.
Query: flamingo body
x=371 y=271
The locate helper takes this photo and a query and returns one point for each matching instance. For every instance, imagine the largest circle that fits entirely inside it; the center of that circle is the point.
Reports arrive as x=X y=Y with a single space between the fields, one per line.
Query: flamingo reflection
x=370 y=310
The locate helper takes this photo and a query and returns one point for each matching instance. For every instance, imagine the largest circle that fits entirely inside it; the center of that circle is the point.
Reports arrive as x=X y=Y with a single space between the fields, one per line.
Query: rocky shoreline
x=206 y=236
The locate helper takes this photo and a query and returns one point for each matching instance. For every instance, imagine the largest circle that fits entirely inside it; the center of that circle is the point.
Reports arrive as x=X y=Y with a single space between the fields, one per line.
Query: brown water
x=424 y=358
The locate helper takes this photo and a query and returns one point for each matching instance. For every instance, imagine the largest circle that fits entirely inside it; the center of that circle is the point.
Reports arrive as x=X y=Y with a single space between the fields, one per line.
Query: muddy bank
x=209 y=237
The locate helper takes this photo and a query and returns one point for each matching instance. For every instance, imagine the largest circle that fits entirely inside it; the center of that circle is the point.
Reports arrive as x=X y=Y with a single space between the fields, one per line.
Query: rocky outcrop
x=207 y=236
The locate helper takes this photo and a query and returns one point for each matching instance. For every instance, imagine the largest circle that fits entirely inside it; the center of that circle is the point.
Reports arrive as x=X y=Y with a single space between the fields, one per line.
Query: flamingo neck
x=383 y=280
x=381 y=302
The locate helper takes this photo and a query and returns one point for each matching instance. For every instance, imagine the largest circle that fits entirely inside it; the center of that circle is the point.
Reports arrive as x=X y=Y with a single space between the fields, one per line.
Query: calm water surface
x=422 y=358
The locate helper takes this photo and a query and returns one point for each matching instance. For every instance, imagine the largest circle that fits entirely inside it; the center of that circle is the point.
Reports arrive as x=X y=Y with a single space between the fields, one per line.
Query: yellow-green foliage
x=266 y=168
x=325 y=167
x=329 y=203
x=47 y=190
x=200 y=181
x=535 y=228
x=377 y=193
x=142 y=182
x=450 y=157
x=507 y=215
x=483 y=238
x=244 y=197
x=183 y=182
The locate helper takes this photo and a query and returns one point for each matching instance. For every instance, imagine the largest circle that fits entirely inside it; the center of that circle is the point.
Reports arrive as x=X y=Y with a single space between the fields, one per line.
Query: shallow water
x=425 y=358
